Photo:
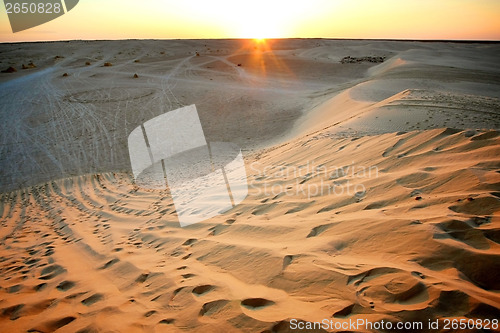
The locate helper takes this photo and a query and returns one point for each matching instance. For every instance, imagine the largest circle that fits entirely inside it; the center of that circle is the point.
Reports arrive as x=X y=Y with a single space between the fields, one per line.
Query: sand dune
x=373 y=188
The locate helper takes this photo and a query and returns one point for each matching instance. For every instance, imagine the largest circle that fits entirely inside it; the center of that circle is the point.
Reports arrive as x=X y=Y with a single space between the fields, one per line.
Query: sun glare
x=259 y=30
x=260 y=19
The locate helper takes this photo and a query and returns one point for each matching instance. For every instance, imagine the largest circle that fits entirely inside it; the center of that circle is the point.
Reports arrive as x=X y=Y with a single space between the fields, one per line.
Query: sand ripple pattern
x=95 y=253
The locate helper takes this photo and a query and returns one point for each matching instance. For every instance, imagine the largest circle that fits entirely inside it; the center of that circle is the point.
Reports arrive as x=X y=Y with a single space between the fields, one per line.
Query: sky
x=174 y=19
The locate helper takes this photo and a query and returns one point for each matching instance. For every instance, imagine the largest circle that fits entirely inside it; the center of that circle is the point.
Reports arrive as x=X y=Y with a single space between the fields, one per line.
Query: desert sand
x=374 y=187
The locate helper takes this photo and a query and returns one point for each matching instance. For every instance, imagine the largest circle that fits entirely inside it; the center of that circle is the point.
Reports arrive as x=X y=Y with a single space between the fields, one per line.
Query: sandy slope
x=54 y=126
x=363 y=210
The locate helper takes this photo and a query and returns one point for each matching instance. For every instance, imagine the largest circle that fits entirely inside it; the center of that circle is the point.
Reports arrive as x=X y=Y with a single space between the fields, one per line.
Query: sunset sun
x=259 y=28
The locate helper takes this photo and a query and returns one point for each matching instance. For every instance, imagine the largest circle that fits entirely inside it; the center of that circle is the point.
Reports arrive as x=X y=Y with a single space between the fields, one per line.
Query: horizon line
x=485 y=41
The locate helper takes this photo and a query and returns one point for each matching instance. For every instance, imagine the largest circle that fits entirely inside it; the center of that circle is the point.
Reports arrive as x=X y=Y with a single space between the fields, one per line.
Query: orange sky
x=158 y=19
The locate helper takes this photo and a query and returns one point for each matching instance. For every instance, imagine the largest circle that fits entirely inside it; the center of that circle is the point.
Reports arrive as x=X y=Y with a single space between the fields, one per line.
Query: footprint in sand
x=12 y=312
x=316 y=231
x=14 y=289
x=92 y=299
x=287 y=260
x=256 y=303
x=65 y=285
x=300 y=207
x=345 y=311
x=110 y=263
x=189 y=242
x=51 y=272
x=188 y=275
x=40 y=287
x=150 y=313
x=203 y=289
x=213 y=307
x=142 y=278
x=53 y=325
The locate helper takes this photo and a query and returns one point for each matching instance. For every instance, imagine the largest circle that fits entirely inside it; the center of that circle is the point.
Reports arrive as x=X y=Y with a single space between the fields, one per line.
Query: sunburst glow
x=412 y=19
